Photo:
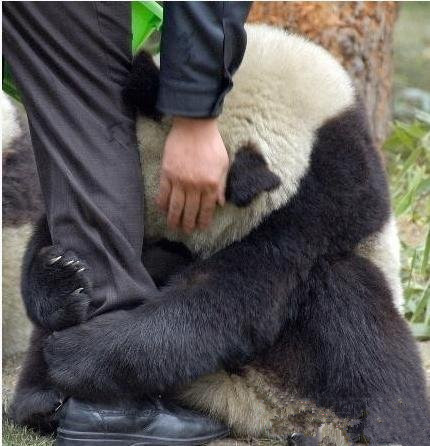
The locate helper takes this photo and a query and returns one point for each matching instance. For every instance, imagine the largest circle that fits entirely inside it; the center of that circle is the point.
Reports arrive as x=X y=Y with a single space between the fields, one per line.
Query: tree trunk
x=358 y=34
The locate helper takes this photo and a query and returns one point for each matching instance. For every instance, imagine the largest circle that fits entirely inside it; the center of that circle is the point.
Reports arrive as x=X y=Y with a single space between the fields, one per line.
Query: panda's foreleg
x=164 y=259
x=220 y=313
x=35 y=399
x=366 y=365
x=55 y=284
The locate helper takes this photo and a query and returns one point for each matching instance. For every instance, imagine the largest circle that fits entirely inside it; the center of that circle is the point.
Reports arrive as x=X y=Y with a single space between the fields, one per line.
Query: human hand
x=193 y=173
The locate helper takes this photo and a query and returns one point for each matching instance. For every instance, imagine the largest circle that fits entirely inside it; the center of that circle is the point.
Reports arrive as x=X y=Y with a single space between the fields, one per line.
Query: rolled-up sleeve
x=202 y=45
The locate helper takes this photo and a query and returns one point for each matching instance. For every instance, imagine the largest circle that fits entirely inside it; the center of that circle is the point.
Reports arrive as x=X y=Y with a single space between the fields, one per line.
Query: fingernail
x=80 y=270
x=78 y=291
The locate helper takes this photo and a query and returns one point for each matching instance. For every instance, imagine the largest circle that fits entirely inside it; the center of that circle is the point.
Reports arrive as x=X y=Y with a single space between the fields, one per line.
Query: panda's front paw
x=62 y=280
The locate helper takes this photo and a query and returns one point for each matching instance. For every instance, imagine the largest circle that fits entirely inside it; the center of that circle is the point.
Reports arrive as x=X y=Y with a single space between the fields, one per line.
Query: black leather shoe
x=152 y=423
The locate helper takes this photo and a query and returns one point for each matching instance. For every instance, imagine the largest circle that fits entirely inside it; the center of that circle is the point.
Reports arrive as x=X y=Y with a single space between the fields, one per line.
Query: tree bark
x=358 y=34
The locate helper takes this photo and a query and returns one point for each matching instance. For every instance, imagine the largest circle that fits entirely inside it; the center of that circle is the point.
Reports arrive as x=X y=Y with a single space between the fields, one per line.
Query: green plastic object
x=146 y=17
x=8 y=84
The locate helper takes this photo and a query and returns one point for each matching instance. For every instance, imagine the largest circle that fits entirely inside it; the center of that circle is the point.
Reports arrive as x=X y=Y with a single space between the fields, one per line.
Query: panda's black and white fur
x=21 y=208
x=286 y=315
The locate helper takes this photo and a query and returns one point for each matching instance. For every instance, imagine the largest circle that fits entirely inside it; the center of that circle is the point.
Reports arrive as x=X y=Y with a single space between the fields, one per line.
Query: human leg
x=71 y=61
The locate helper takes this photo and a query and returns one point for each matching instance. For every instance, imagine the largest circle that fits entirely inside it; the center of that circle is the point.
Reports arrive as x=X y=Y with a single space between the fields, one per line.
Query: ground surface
x=13 y=436
x=412 y=65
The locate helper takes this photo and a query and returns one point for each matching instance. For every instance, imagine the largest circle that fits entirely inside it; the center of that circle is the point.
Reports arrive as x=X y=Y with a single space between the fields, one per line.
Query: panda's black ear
x=249 y=176
x=141 y=89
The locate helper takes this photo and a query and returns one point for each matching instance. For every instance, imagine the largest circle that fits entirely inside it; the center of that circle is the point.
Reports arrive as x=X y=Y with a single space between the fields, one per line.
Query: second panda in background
x=286 y=320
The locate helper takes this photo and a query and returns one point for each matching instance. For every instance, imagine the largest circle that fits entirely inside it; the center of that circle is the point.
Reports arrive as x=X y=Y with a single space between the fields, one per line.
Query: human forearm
x=202 y=46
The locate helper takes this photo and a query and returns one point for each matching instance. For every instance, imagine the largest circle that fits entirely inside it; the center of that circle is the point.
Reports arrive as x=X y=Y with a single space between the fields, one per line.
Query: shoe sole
x=72 y=438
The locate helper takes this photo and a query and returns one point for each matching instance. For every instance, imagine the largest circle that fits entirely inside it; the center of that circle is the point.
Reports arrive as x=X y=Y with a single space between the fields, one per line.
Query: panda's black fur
x=21 y=200
x=292 y=297
x=51 y=304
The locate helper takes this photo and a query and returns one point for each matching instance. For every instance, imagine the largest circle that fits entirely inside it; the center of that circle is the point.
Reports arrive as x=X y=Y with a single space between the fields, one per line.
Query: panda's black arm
x=45 y=287
x=218 y=314
x=33 y=296
x=164 y=259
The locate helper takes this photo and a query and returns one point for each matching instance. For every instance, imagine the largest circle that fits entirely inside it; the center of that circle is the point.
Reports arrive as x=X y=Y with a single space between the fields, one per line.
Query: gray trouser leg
x=70 y=60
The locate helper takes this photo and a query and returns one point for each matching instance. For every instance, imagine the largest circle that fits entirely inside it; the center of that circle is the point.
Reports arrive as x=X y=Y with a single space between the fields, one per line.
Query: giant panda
x=21 y=208
x=286 y=316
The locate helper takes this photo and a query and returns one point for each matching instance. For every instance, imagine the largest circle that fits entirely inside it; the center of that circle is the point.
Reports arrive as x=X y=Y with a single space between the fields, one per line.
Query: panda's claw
x=54 y=260
x=58 y=264
x=61 y=280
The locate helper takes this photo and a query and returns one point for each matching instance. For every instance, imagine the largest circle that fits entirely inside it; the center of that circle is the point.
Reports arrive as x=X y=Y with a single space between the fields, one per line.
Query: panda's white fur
x=285 y=90
x=274 y=105
x=16 y=327
x=10 y=125
x=383 y=248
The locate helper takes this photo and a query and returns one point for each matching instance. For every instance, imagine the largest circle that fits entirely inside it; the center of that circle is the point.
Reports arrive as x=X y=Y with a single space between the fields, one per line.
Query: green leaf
x=426 y=254
x=414 y=258
x=427 y=318
x=406 y=201
x=423 y=116
x=424 y=187
x=412 y=159
x=421 y=305
x=421 y=331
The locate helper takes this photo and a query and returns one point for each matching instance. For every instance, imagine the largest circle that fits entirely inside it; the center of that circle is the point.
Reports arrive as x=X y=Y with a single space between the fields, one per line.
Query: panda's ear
x=141 y=90
x=249 y=176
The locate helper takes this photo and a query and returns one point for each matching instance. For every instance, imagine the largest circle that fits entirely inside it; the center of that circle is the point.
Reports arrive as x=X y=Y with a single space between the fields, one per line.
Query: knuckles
x=204 y=182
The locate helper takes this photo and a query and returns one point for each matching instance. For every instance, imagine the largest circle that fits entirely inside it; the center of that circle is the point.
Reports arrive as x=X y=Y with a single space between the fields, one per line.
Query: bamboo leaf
x=427 y=318
x=421 y=331
x=426 y=253
x=424 y=187
x=410 y=161
x=406 y=201
x=421 y=305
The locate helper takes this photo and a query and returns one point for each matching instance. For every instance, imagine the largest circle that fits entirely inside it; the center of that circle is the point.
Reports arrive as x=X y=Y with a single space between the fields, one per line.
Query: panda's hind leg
x=368 y=368
x=35 y=401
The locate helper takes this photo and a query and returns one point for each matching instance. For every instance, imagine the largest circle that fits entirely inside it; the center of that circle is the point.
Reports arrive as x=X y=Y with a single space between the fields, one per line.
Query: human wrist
x=183 y=122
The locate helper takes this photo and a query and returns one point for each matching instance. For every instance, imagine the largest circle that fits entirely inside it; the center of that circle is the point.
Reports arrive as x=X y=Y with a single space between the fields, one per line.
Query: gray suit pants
x=71 y=61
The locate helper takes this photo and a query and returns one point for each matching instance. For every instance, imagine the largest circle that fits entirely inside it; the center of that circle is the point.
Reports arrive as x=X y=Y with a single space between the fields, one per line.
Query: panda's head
x=285 y=89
